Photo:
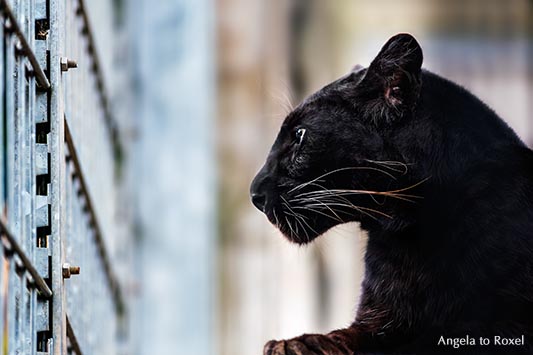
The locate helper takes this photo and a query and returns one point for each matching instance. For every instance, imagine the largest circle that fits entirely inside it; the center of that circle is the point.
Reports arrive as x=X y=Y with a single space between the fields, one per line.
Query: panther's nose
x=261 y=190
x=259 y=201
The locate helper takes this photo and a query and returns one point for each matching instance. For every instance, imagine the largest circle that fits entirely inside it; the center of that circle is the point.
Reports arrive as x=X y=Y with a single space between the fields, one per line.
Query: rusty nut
x=69 y=270
x=67 y=64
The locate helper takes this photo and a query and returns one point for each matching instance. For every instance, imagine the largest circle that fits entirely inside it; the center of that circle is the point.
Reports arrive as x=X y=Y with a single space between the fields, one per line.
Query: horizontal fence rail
x=11 y=246
x=73 y=341
x=93 y=220
x=100 y=83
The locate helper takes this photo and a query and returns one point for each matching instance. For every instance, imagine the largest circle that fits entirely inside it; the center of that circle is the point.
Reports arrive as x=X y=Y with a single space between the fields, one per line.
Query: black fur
x=442 y=185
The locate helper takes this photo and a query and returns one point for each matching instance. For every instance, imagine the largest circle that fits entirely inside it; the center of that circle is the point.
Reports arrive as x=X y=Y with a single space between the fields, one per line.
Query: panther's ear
x=395 y=72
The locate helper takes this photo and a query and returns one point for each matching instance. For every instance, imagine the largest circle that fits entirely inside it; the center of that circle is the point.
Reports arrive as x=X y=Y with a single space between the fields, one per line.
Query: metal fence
x=59 y=156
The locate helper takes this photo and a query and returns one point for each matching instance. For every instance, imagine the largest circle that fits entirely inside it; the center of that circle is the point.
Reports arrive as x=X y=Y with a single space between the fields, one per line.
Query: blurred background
x=213 y=81
x=200 y=89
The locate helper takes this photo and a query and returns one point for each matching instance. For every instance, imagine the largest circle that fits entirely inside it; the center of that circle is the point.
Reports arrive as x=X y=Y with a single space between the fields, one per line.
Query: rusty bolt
x=67 y=64
x=70 y=270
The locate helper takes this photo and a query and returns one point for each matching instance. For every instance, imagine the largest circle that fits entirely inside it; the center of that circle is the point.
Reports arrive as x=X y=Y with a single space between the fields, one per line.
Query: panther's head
x=333 y=160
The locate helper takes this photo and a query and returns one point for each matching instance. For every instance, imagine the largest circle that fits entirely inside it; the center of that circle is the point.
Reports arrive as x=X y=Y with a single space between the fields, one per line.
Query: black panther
x=444 y=189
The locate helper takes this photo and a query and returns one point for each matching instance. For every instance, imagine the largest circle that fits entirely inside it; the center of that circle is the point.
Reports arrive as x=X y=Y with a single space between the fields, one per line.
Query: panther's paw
x=308 y=344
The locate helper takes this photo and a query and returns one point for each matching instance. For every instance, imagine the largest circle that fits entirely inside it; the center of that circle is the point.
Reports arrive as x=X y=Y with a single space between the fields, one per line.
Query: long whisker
x=391 y=165
x=299 y=218
x=325 y=205
x=351 y=206
x=295 y=226
x=339 y=196
x=275 y=217
x=412 y=186
x=375 y=211
x=326 y=191
x=283 y=99
x=335 y=198
x=311 y=228
x=317 y=211
x=291 y=231
x=392 y=193
x=339 y=170
x=299 y=221
x=287 y=204
x=361 y=210
x=345 y=192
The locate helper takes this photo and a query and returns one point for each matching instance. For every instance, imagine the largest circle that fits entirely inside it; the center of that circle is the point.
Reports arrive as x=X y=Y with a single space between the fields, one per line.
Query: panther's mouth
x=302 y=222
x=304 y=216
x=308 y=210
x=296 y=227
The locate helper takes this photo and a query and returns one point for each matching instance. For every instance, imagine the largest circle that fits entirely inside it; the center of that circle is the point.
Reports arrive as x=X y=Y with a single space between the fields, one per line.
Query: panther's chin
x=297 y=229
x=300 y=239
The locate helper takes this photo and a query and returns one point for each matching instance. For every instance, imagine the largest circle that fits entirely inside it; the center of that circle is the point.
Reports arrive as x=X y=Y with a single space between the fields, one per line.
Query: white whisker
x=339 y=170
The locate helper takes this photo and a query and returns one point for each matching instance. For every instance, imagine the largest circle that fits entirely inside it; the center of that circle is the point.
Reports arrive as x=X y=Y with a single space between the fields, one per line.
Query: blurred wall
x=271 y=55
x=174 y=50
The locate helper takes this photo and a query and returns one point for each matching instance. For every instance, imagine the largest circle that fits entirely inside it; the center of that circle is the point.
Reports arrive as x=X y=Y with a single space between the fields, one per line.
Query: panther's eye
x=300 y=133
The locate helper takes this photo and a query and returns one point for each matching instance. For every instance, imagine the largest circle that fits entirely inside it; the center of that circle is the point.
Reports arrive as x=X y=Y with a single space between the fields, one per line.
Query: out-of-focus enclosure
x=130 y=131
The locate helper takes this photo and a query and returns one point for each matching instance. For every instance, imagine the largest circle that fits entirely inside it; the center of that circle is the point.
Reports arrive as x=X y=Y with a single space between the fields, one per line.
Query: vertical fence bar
x=3 y=328
x=19 y=277
x=57 y=169
x=11 y=171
